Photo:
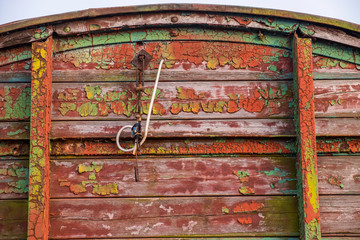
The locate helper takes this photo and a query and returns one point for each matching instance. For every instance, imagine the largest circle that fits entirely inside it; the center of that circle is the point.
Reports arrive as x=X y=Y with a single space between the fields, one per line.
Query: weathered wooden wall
x=220 y=160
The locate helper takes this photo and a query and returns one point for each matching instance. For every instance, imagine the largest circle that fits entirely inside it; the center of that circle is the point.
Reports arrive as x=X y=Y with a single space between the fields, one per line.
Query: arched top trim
x=90 y=13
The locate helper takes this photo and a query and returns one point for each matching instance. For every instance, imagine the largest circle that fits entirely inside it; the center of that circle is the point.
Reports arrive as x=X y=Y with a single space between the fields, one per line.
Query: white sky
x=13 y=10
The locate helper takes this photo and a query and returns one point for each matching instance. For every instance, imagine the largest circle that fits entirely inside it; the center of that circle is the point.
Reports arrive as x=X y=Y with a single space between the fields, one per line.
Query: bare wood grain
x=274 y=216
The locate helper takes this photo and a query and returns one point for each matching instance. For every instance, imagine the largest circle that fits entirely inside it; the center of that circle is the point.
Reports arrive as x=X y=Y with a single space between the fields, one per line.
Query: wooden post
x=40 y=121
x=307 y=174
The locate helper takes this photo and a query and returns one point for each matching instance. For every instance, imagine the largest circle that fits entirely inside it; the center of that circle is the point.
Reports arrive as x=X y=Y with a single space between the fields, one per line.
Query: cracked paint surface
x=203 y=55
x=305 y=126
x=39 y=168
x=15 y=102
x=16 y=179
x=104 y=100
x=97 y=188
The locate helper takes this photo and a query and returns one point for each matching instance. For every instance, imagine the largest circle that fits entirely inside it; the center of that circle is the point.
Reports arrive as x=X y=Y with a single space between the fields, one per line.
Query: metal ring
x=118 y=137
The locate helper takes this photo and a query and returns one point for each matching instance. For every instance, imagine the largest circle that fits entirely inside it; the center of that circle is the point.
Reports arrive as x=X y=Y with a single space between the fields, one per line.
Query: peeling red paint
x=207 y=55
x=335 y=181
x=245 y=220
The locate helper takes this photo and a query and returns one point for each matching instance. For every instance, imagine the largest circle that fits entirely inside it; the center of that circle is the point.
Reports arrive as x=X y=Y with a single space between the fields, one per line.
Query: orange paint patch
x=248 y=207
x=245 y=220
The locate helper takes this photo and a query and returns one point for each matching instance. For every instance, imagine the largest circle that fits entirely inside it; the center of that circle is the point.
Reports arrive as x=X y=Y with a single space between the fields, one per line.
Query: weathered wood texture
x=218 y=99
x=39 y=156
x=14 y=179
x=173 y=177
x=236 y=216
x=181 y=176
x=339 y=174
x=307 y=173
x=340 y=215
x=13 y=219
x=198 y=146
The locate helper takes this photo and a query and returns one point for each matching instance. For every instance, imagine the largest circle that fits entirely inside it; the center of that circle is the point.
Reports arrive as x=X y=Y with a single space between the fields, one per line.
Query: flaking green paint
x=276 y=172
x=18 y=181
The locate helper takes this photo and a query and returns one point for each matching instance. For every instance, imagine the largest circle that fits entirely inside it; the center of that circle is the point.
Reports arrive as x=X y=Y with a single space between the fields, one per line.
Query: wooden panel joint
x=307 y=173
x=40 y=120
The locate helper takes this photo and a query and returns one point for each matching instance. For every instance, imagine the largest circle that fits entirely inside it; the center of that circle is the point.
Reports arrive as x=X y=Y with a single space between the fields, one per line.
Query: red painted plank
x=339 y=174
x=192 y=176
x=177 y=128
x=173 y=177
x=309 y=213
x=340 y=216
x=155 y=217
x=41 y=80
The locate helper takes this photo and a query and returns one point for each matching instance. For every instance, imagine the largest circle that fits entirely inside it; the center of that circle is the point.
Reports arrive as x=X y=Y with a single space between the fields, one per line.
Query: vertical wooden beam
x=40 y=121
x=307 y=173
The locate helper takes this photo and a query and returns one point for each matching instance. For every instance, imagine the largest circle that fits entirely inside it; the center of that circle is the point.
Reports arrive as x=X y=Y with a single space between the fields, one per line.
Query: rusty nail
x=174 y=19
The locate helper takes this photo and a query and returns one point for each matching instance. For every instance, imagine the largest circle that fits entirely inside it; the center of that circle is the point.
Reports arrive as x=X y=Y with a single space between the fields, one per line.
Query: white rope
x=148 y=116
x=151 y=103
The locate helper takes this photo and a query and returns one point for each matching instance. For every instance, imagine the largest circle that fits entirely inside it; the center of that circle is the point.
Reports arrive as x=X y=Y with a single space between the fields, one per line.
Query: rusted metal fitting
x=174 y=19
x=141 y=60
x=140 y=87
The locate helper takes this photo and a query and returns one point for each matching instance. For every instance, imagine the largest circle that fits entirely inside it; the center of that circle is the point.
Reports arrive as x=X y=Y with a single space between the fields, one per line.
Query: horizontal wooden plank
x=188 y=146
x=335 y=74
x=339 y=174
x=206 y=128
x=201 y=146
x=15 y=101
x=168 y=75
x=233 y=238
x=156 y=217
x=14 y=148
x=13 y=219
x=16 y=76
x=14 y=130
x=179 y=55
x=173 y=177
x=201 y=100
x=167 y=33
x=200 y=176
x=198 y=100
x=177 y=128
x=25 y=36
x=340 y=215
x=331 y=34
x=15 y=54
x=174 y=19
x=337 y=98
x=337 y=127
x=335 y=51
x=14 y=179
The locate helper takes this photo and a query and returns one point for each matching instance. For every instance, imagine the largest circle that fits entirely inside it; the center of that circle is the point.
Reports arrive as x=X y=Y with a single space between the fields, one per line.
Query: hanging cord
x=134 y=149
x=151 y=103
